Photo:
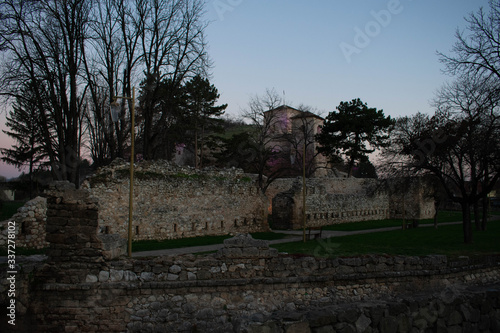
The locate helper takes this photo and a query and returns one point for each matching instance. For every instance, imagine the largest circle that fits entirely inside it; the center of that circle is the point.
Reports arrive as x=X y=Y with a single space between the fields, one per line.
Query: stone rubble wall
x=247 y=287
x=413 y=195
x=343 y=200
x=449 y=311
x=244 y=287
x=30 y=225
x=174 y=202
x=330 y=201
x=75 y=245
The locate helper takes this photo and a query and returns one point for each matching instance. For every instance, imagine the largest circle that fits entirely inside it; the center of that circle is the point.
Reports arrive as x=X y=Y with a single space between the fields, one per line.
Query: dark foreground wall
x=251 y=289
x=245 y=287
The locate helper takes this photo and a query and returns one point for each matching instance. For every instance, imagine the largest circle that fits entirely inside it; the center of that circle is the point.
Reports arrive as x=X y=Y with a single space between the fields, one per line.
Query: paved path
x=294 y=236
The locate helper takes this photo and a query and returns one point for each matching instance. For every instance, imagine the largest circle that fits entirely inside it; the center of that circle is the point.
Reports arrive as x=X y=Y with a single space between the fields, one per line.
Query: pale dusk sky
x=321 y=52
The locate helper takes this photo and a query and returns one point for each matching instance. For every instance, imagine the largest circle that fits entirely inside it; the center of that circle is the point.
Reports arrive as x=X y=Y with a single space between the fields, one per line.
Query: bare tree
x=45 y=47
x=80 y=54
x=173 y=50
x=103 y=63
x=264 y=146
x=302 y=141
x=476 y=49
x=475 y=102
x=459 y=145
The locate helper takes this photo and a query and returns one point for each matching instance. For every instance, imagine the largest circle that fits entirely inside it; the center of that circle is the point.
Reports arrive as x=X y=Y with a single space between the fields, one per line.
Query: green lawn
x=445 y=216
x=9 y=208
x=420 y=241
x=140 y=246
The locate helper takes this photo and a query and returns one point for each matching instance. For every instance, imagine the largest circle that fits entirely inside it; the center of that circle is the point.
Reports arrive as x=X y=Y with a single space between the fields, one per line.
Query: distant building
x=287 y=128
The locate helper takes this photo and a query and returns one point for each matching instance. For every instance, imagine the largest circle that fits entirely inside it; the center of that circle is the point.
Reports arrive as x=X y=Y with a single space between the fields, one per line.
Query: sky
x=322 y=52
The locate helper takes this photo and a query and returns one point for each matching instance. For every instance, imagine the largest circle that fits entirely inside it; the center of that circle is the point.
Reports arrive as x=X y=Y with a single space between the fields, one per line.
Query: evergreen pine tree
x=201 y=112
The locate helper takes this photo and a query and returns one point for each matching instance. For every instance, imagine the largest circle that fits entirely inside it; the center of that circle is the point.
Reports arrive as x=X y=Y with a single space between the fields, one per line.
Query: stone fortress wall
x=175 y=202
x=29 y=225
x=330 y=201
x=85 y=285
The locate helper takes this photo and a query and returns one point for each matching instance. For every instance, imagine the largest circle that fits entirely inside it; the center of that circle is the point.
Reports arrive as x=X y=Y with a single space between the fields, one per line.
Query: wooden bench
x=314 y=232
x=412 y=224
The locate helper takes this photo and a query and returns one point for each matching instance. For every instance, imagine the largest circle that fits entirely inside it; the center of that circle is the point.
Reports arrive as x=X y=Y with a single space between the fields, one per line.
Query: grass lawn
x=443 y=217
x=147 y=245
x=420 y=241
x=9 y=208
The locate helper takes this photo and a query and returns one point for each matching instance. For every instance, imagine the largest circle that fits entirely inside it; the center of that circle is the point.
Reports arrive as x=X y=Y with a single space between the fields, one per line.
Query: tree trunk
x=202 y=143
x=484 y=219
x=436 y=211
x=467 y=224
x=31 y=175
x=196 y=149
x=146 y=144
x=350 y=166
x=477 y=220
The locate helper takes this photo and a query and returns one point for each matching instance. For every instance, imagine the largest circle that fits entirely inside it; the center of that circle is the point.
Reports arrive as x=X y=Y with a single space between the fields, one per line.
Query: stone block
x=58 y=238
x=82 y=238
x=172 y=277
x=245 y=240
x=175 y=269
x=146 y=276
x=57 y=221
x=362 y=323
x=302 y=327
x=87 y=252
x=324 y=329
x=349 y=315
x=390 y=325
x=318 y=318
x=230 y=252
x=115 y=275
x=250 y=252
x=421 y=324
x=129 y=276
x=205 y=314
x=404 y=323
x=91 y=278
x=203 y=275
x=455 y=318
x=270 y=327
x=113 y=245
x=429 y=315
x=344 y=328
x=103 y=276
